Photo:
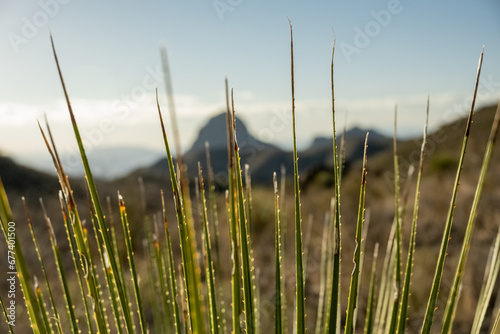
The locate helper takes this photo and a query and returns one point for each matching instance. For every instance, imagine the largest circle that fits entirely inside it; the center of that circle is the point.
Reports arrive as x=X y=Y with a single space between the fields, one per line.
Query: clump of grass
x=186 y=299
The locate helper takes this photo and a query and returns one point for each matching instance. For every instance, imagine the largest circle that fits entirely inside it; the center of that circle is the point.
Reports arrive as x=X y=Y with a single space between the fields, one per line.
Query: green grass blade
x=299 y=270
x=70 y=308
x=130 y=256
x=232 y=222
x=74 y=251
x=323 y=278
x=15 y=252
x=353 y=287
x=451 y=305
x=79 y=246
x=191 y=275
x=490 y=278
x=403 y=308
x=283 y=235
x=44 y=271
x=6 y=314
x=246 y=263
x=41 y=302
x=333 y=309
x=370 y=304
x=99 y=216
x=397 y=260
x=278 y=321
x=209 y=267
x=171 y=271
x=431 y=304
x=215 y=225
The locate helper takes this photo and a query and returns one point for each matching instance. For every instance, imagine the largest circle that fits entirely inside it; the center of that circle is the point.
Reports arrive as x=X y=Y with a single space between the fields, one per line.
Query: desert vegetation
x=218 y=273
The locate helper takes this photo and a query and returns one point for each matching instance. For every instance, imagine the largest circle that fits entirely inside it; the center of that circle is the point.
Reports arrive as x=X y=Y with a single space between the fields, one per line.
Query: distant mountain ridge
x=265 y=158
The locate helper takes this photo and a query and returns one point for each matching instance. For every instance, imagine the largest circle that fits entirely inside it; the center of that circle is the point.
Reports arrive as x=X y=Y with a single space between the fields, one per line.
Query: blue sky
x=387 y=52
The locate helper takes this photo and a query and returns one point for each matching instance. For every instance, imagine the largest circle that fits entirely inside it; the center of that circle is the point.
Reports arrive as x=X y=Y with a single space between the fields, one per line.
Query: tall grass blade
x=403 y=308
x=232 y=221
x=171 y=271
x=215 y=225
x=397 y=260
x=323 y=273
x=191 y=275
x=99 y=216
x=246 y=263
x=332 y=319
x=278 y=323
x=451 y=305
x=74 y=251
x=299 y=270
x=53 y=305
x=490 y=278
x=6 y=314
x=283 y=236
x=41 y=302
x=70 y=308
x=431 y=304
x=15 y=253
x=130 y=256
x=353 y=287
x=370 y=305
x=209 y=267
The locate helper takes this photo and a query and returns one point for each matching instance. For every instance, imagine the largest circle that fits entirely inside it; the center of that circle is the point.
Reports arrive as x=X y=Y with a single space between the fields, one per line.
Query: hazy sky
x=387 y=52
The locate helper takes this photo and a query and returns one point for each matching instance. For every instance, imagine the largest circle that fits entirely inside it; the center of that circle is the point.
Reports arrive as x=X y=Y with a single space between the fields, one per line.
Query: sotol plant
x=187 y=299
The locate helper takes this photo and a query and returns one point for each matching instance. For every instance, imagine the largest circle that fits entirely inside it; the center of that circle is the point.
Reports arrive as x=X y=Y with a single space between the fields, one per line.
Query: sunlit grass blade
x=332 y=319
x=53 y=305
x=405 y=292
x=364 y=234
x=15 y=256
x=114 y=240
x=490 y=278
x=209 y=267
x=130 y=256
x=70 y=308
x=213 y=209
x=496 y=324
x=307 y=243
x=370 y=304
x=171 y=271
x=322 y=272
x=99 y=216
x=43 y=308
x=457 y=282
x=255 y=281
x=6 y=314
x=283 y=236
x=246 y=262
x=159 y=318
x=232 y=221
x=215 y=225
x=278 y=321
x=162 y=275
x=191 y=275
x=76 y=260
x=106 y=268
x=397 y=253
x=299 y=270
x=431 y=304
x=386 y=280
x=353 y=287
